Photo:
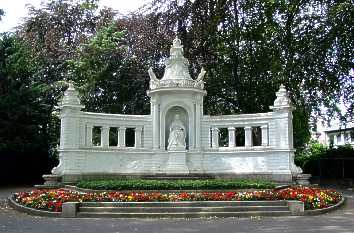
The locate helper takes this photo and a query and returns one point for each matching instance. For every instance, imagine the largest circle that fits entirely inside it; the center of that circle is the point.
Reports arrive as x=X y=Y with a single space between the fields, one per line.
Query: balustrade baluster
x=215 y=138
x=231 y=136
x=264 y=135
x=138 y=131
x=105 y=136
x=248 y=136
x=121 y=137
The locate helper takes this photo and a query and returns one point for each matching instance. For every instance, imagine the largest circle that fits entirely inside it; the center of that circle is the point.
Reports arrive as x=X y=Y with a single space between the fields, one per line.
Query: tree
x=250 y=47
x=24 y=142
x=2 y=13
x=110 y=78
x=33 y=74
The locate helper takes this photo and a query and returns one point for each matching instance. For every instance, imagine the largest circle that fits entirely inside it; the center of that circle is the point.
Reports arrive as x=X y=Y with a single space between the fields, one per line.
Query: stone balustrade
x=248 y=136
x=121 y=135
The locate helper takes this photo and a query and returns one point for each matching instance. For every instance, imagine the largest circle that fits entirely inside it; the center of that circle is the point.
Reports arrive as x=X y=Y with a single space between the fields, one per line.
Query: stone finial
x=201 y=75
x=282 y=101
x=176 y=72
x=71 y=98
x=152 y=75
x=176 y=64
x=177 y=48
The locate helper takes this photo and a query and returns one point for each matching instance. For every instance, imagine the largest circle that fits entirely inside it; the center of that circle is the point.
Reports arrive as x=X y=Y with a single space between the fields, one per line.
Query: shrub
x=173 y=184
x=318 y=159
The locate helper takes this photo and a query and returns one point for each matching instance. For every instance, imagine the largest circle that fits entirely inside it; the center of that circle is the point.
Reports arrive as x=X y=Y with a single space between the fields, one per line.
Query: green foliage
x=174 y=185
x=109 y=75
x=24 y=138
x=309 y=158
x=2 y=13
x=313 y=151
x=249 y=47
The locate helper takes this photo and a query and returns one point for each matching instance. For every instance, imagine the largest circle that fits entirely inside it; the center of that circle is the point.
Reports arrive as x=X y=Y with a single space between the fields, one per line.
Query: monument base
x=177 y=163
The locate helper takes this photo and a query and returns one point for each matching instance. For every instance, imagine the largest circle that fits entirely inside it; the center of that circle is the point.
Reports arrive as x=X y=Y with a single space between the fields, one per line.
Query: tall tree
x=250 y=47
x=109 y=76
x=32 y=70
x=24 y=142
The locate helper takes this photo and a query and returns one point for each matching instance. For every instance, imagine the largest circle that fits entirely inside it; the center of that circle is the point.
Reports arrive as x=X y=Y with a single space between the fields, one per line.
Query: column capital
x=248 y=127
x=230 y=128
x=138 y=128
x=105 y=127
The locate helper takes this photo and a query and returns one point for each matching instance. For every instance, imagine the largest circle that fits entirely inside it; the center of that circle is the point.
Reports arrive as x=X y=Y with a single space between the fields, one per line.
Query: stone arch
x=166 y=118
x=169 y=118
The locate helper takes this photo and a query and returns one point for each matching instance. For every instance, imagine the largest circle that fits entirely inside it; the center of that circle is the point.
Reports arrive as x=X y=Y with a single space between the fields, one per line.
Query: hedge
x=136 y=184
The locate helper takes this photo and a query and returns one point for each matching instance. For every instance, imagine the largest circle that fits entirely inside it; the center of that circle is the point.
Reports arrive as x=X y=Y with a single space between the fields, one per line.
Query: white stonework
x=199 y=153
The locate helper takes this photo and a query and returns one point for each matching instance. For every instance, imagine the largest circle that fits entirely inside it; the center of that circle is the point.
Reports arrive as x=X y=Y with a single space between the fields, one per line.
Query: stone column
x=248 y=136
x=89 y=129
x=335 y=139
x=138 y=131
x=282 y=117
x=342 y=138
x=197 y=126
x=70 y=114
x=264 y=135
x=215 y=137
x=349 y=137
x=231 y=137
x=105 y=136
x=121 y=137
x=155 y=123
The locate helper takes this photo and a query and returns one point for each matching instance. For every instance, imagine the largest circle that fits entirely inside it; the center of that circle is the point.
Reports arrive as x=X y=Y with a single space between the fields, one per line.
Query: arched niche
x=183 y=114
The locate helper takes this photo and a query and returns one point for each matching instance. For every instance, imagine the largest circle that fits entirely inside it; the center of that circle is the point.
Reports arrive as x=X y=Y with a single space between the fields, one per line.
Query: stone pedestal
x=177 y=163
x=303 y=179
x=50 y=181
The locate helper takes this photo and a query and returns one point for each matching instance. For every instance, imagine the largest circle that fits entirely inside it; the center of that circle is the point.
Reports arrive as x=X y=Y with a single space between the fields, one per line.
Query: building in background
x=336 y=134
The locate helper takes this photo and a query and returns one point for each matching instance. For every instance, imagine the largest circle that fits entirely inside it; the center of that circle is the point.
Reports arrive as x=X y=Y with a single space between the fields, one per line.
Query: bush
x=174 y=184
x=318 y=159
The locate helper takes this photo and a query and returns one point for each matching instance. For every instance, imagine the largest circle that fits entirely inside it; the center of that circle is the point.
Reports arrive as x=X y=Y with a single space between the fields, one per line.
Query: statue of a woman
x=177 y=137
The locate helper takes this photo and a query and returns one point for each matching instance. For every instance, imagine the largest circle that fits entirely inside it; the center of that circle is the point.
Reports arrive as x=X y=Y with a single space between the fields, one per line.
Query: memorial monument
x=176 y=139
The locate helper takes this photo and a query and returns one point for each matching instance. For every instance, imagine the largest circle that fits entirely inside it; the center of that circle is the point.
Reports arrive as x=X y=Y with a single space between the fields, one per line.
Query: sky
x=15 y=10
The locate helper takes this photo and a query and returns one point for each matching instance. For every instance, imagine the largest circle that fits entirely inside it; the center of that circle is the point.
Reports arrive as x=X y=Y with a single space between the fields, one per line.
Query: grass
x=138 y=184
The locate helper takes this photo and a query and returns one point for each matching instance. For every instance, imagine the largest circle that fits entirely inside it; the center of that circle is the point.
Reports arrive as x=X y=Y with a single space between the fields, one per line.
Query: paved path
x=339 y=221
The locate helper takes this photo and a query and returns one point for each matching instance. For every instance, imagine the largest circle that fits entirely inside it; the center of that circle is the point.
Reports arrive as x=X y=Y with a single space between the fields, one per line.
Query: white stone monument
x=176 y=138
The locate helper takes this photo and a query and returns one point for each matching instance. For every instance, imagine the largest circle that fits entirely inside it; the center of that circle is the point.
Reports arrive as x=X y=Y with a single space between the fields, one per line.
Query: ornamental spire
x=176 y=64
x=71 y=98
x=176 y=72
x=282 y=101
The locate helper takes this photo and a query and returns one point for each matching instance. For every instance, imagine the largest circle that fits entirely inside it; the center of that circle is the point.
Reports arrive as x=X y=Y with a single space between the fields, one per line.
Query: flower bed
x=51 y=200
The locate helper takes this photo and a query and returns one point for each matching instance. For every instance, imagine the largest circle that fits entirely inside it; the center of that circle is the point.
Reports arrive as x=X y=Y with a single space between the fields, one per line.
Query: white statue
x=177 y=137
x=201 y=75
x=152 y=75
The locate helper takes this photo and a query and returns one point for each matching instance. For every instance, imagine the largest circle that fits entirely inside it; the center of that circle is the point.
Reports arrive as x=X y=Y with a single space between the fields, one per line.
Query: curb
x=31 y=211
x=43 y=213
x=326 y=210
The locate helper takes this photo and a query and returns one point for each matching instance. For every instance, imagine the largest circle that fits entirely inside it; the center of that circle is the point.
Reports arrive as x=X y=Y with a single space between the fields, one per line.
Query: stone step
x=182 y=215
x=184 y=204
x=181 y=209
